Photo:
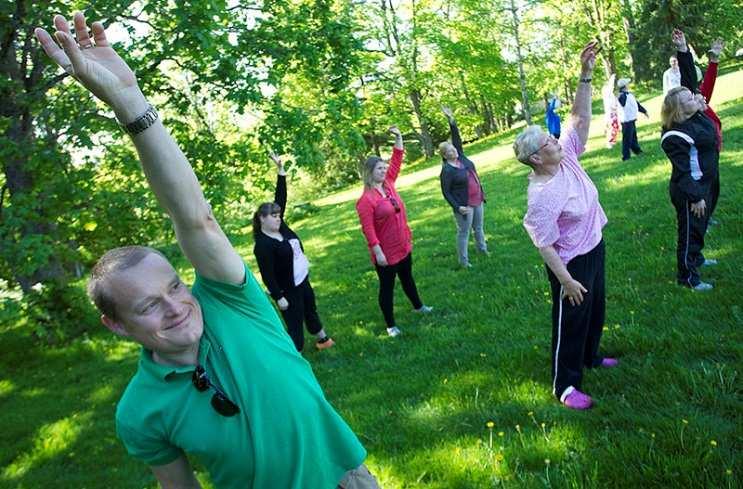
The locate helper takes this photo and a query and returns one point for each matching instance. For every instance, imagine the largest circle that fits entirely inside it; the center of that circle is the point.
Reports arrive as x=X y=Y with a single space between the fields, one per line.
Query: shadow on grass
x=420 y=403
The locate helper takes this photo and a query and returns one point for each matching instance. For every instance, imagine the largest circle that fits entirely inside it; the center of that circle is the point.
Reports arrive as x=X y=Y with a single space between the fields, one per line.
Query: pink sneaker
x=608 y=362
x=577 y=400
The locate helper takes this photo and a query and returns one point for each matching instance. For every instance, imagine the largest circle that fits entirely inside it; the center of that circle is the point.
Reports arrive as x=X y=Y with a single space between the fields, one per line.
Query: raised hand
x=94 y=64
x=395 y=131
x=679 y=40
x=588 y=57
x=714 y=51
x=447 y=112
x=276 y=160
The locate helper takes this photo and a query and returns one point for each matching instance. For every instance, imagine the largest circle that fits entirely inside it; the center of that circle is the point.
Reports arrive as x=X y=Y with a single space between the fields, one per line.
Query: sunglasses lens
x=199 y=379
x=224 y=406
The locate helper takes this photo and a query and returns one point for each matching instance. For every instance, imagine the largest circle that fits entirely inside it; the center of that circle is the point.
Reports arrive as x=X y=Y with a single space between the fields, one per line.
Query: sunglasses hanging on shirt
x=394 y=203
x=220 y=402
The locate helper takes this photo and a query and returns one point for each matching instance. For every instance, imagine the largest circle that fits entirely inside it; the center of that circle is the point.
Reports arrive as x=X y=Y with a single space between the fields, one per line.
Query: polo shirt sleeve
x=540 y=223
x=247 y=303
x=148 y=448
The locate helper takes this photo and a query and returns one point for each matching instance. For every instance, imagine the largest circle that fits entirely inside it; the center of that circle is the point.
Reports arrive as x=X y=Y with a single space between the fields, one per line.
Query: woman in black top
x=284 y=267
x=691 y=142
x=462 y=189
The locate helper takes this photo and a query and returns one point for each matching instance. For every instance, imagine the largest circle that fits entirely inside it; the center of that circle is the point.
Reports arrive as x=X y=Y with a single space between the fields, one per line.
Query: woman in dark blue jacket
x=462 y=189
x=284 y=267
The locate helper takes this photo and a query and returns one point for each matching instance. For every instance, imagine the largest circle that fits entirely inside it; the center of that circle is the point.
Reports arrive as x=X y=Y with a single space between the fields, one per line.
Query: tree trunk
x=424 y=136
x=520 y=60
x=628 y=19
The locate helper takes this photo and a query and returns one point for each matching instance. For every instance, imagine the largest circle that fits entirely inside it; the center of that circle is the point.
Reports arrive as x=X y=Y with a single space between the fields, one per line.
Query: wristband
x=142 y=122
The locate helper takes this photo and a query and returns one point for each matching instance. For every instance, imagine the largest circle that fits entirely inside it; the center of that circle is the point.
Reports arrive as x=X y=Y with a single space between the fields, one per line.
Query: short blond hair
x=671 y=112
x=442 y=147
x=527 y=143
x=111 y=263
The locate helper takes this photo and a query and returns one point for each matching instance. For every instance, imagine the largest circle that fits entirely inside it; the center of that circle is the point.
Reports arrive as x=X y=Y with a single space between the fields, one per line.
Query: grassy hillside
x=669 y=416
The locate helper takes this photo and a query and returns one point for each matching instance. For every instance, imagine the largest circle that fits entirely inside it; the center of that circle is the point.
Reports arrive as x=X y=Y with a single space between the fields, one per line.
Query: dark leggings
x=302 y=309
x=404 y=270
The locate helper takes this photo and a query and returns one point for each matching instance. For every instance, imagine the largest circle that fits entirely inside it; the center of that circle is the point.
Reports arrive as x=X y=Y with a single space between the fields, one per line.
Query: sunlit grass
x=422 y=404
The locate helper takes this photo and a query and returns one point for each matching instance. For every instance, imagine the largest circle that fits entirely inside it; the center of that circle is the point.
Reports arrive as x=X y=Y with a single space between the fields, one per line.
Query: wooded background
x=320 y=80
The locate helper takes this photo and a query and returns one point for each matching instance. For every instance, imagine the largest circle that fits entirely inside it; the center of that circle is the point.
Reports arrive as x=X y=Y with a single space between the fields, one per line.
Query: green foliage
x=701 y=21
x=58 y=312
x=319 y=81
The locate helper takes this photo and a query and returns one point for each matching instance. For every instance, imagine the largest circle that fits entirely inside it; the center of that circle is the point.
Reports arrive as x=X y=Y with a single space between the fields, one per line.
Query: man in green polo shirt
x=218 y=377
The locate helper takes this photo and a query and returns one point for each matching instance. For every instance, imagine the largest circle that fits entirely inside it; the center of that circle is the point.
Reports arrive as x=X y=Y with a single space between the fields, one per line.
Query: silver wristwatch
x=142 y=122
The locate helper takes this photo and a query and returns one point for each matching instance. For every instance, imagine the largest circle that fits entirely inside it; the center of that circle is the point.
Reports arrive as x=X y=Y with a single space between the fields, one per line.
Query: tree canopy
x=317 y=79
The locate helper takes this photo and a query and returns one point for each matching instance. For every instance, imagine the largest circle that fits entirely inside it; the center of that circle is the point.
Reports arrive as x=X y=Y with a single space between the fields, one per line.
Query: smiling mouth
x=180 y=323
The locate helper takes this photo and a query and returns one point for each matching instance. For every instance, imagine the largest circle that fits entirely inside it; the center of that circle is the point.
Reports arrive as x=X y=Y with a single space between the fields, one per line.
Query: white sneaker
x=424 y=309
x=702 y=286
x=709 y=262
x=394 y=331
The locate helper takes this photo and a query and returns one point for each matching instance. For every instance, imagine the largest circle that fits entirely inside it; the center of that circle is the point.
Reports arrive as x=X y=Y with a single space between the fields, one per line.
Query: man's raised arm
x=99 y=69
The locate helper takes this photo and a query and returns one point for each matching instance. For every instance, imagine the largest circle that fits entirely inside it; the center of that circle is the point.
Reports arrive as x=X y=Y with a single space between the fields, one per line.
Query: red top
x=474 y=190
x=383 y=219
x=706 y=88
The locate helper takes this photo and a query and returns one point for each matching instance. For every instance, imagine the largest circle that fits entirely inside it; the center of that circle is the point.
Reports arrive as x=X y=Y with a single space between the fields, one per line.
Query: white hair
x=527 y=143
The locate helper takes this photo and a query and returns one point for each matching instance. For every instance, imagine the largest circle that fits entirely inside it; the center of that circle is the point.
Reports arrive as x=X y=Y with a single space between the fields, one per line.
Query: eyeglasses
x=395 y=205
x=220 y=402
x=549 y=139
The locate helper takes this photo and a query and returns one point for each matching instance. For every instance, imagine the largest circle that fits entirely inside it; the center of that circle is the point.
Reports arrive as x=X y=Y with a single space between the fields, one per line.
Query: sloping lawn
x=669 y=416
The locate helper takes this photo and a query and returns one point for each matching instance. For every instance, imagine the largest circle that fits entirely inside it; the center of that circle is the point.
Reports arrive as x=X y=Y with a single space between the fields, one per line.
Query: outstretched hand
x=447 y=112
x=395 y=131
x=714 y=51
x=92 y=62
x=588 y=57
x=679 y=40
x=276 y=160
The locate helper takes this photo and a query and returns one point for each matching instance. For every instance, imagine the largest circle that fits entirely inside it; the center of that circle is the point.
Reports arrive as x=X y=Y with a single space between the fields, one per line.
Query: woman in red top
x=384 y=223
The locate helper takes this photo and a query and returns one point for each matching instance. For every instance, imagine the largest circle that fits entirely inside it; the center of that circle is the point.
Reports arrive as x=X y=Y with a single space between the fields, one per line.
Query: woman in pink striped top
x=384 y=223
x=564 y=220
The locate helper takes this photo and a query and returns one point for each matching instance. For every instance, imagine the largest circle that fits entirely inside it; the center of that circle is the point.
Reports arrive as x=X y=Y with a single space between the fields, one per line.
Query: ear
x=115 y=326
x=535 y=159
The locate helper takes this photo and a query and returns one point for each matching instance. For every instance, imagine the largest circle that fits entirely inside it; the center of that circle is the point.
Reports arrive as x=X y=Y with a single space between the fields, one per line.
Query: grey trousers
x=473 y=220
x=358 y=478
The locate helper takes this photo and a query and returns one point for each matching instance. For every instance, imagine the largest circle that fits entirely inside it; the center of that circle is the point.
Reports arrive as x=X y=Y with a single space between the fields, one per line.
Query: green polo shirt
x=286 y=435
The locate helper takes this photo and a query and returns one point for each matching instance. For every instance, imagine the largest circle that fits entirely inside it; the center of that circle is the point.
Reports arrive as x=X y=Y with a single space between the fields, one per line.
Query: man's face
x=155 y=308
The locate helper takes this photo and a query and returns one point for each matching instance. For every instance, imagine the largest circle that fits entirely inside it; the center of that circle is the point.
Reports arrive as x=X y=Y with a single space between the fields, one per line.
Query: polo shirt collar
x=164 y=372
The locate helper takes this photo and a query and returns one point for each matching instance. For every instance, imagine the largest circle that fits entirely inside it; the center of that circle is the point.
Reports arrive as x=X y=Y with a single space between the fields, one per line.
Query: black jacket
x=455 y=181
x=695 y=166
x=276 y=258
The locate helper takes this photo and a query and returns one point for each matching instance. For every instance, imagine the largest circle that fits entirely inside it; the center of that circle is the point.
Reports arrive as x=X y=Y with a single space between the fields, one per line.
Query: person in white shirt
x=672 y=76
x=628 y=109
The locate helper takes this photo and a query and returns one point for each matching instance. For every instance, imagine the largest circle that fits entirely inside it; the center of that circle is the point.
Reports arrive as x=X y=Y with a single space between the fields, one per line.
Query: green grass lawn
x=670 y=416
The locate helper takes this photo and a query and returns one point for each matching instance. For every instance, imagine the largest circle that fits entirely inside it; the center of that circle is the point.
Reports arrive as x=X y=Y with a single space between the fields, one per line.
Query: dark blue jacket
x=455 y=181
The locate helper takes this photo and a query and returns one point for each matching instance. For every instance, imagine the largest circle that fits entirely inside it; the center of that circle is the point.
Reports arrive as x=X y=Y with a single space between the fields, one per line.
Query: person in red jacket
x=705 y=88
x=384 y=223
